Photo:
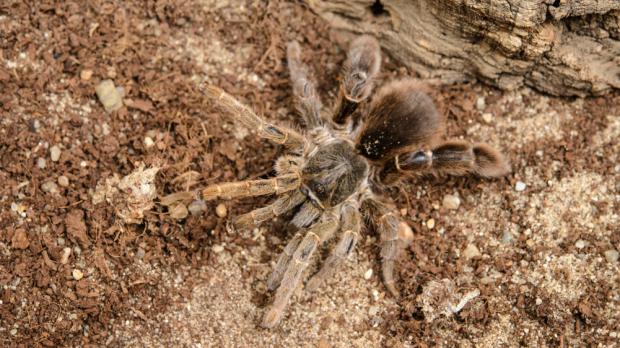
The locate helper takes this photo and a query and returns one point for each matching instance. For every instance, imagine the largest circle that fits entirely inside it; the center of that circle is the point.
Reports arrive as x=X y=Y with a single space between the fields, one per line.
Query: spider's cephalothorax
x=332 y=173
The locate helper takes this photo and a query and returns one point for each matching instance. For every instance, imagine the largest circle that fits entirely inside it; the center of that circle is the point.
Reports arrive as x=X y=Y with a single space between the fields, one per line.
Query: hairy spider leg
x=451 y=157
x=252 y=188
x=280 y=206
x=359 y=72
x=287 y=137
x=351 y=222
x=306 y=97
x=315 y=235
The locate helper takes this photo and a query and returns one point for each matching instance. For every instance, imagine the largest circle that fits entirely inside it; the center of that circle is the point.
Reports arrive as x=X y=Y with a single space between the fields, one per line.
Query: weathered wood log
x=561 y=47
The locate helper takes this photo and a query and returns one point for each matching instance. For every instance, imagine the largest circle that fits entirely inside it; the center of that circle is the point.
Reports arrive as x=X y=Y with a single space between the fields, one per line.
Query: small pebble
x=612 y=255
x=140 y=253
x=121 y=91
x=111 y=72
x=373 y=310
x=451 y=202
x=49 y=186
x=471 y=251
x=404 y=232
x=13 y=332
x=480 y=103
x=538 y=301
x=520 y=186
x=376 y=321
x=487 y=117
x=86 y=74
x=109 y=96
x=221 y=210
x=63 y=181
x=41 y=163
x=217 y=249
x=197 y=207
x=368 y=274
x=530 y=243
x=506 y=237
x=55 y=153
x=148 y=142
x=430 y=223
x=580 y=244
x=64 y=258
x=178 y=211
x=77 y=274
x=36 y=124
x=375 y=294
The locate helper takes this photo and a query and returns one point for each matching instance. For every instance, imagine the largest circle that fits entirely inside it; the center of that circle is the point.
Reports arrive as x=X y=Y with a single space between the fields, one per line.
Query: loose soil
x=74 y=273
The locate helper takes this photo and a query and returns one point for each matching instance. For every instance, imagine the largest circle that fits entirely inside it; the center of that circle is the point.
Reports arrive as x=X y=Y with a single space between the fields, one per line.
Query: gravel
x=221 y=210
x=451 y=202
x=148 y=142
x=430 y=223
x=178 y=211
x=63 y=181
x=49 y=187
x=109 y=96
x=77 y=274
x=86 y=74
x=480 y=103
x=507 y=237
x=612 y=255
x=520 y=186
x=64 y=258
x=471 y=251
x=197 y=207
x=580 y=244
x=55 y=153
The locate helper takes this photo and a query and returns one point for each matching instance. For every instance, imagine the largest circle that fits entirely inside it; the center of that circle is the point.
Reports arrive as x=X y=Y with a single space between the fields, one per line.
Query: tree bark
x=561 y=47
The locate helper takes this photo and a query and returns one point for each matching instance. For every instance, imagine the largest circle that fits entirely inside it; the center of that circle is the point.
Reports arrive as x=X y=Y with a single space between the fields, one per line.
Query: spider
x=335 y=173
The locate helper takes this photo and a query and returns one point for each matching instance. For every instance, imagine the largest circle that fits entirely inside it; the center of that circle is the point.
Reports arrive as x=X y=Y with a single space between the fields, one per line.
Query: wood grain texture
x=559 y=47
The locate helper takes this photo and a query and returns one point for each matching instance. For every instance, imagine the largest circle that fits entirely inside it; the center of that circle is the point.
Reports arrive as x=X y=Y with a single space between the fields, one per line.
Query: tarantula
x=336 y=170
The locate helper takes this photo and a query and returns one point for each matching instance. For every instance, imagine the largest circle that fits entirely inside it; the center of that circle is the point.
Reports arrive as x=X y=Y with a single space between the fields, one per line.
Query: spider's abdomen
x=334 y=173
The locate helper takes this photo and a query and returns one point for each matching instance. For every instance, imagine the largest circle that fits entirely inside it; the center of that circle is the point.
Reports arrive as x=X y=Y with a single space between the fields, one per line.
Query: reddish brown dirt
x=72 y=274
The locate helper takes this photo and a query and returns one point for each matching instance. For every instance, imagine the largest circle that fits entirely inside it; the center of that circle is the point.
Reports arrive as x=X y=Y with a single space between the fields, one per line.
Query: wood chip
x=20 y=239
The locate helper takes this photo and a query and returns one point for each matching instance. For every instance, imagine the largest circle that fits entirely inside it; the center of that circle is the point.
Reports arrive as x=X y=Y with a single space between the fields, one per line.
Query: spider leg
x=451 y=157
x=279 y=135
x=391 y=245
x=283 y=260
x=251 y=188
x=395 y=234
x=351 y=225
x=315 y=235
x=307 y=99
x=359 y=72
x=277 y=208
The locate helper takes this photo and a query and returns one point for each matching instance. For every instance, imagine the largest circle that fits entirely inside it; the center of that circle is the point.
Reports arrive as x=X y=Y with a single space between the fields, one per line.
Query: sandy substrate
x=526 y=260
